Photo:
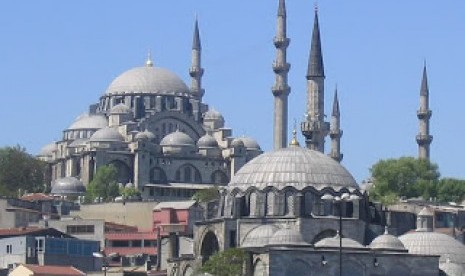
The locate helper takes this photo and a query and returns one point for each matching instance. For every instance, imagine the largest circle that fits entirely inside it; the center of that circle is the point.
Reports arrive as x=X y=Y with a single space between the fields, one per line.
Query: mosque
x=294 y=210
x=158 y=133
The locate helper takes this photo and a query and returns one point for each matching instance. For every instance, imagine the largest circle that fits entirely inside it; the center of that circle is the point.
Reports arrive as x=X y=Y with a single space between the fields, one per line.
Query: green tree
x=451 y=190
x=206 y=195
x=129 y=192
x=405 y=176
x=20 y=170
x=229 y=262
x=104 y=184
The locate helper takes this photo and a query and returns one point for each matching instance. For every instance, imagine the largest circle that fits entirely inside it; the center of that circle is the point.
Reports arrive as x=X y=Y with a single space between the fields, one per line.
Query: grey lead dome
x=147 y=80
x=293 y=166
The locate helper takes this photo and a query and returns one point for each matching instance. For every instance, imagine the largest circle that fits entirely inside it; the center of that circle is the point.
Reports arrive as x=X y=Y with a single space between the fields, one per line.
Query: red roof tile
x=54 y=270
x=37 y=197
x=131 y=236
x=124 y=251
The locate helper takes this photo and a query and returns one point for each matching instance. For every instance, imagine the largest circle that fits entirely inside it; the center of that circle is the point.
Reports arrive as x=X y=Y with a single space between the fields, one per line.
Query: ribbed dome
x=120 y=109
x=68 y=186
x=87 y=121
x=296 y=167
x=250 y=143
x=259 y=236
x=48 y=150
x=107 y=134
x=287 y=237
x=207 y=141
x=334 y=242
x=433 y=243
x=149 y=80
x=177 y=138
x=387 y=242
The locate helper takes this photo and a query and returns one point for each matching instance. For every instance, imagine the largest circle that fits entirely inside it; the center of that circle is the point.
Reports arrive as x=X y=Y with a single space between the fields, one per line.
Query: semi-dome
x=250 y=143
x=207 y=141
x=177 y=138
x=387 y=242
x=287 y=237
x=259 y=236
x=107 y=134
x=334 y=242
x=147 y=80
x=68 y=186
x=48 y=149
x=293 y=166
x=87 y=121
x=120 y=108
x=433 y=243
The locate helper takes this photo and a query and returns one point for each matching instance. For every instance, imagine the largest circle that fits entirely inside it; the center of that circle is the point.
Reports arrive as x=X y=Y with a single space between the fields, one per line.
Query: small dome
x=120 y=108
x=237 y=143
x=147 y=80
x=207 y=141
x=287 y=237
x=333 y=242
x=433 y=243
x=48 y=150
x=250 y=143
x=107 y=134
x=296 y=167
x=259 y=236
x=87 y=121
x=141 y=136
x=212 y=114
x=68 y=186
x=78 y=143
x=387 y=242
x=177 y=138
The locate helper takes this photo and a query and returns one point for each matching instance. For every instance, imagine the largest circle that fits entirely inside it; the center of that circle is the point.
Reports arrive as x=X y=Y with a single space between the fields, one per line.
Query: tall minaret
x=424 y=139
x=314 y=128
x=335 y=131
x=280 y=89
x=196 y=70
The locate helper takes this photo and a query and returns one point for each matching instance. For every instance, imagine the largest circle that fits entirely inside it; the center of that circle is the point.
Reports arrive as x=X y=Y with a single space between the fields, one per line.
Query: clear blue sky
x=57 y=57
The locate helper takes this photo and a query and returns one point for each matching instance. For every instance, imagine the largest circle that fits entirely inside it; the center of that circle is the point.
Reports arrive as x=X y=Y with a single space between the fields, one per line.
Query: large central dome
x=148 y=80
x=293 y=166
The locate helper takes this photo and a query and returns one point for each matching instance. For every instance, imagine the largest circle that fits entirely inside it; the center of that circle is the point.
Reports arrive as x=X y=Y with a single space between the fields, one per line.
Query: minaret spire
x=281 y=88
x=314 y=128
x=335 y=131
x=196 y=70
x=149 y=62
x=423 y=138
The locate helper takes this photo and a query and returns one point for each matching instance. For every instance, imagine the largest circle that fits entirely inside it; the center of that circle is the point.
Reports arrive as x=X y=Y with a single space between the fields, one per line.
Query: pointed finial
x=196 y=40
x=149 y=62
x=386 y=232
x=315 y=6
x=315 y=61
x=282 y=8
x=336 y=111
x=294 y=142
x=424 y=90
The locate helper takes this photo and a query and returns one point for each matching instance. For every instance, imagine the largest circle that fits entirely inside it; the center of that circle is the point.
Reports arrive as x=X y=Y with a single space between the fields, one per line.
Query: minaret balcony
x=279 y=90
x=424 y=114
x=281 y=42
x=196 y=71
x=281 y=67
x=335 y=133
x=424 y=139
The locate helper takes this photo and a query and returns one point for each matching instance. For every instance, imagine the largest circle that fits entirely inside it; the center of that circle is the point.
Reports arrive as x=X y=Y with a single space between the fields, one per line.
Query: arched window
x=308 y=204
x=157 y=175
x=188 y=174
x=289 y=203
x=124 y=172
x=209 y=246
x=219 y=177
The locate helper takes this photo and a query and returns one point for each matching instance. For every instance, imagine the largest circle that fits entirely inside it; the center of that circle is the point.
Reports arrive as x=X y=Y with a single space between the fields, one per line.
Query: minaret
x=196 y=70
x=280 y=89
x=314 y=128
x=335 y=131
x=424 y=139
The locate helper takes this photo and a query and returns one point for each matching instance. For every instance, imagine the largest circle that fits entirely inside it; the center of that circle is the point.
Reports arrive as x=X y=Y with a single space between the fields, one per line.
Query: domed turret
x=250 y=143
x=213 y=119
x=68 y=186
